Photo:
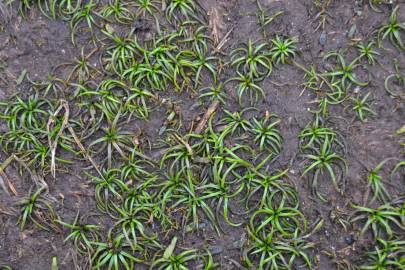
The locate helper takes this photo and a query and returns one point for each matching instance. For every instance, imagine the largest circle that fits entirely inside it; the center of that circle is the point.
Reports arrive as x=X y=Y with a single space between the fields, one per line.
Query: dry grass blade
x=4 y=12
x=3 y=185
x=216 y=24
x=183 y=118
x=223 y=41
x=51 y=122
x=39 y=181
x=3 y=179
x=83 y=150
x=185 y=143
x=211 y=109
x=3 y=176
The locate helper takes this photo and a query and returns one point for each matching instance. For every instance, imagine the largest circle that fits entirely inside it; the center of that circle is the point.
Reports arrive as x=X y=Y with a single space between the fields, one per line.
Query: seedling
x=396 y=78
x=281 y=218
x=136 y=167
x=146 y=6
x=31 y=114
x=268 y=186
x=181 y=154
x=19 y=140
x=374 y=3
x=85 y=14
x=267 y=135
x=36 y=209
x=315 y=133
x=387 y=255
x=179 y=10
x=367 y=51
x=361 y=107
x=381 y=220
x=171 y=260
x=213 y=93
x=109 y=188
x=114 y=254
x=203 y=62
x=252 y=59
x=274 y=253
x=81 y=234
x=118 y=9
x=376 y=183
x=264 y=19
x=45 y=7
x=236 y=123
x=198 y=38
x=114 y=140
x=325 y=159
x=69 y=7
x=154 y=73
x=346 y=72
x=51 y=84
x=393 y=30
x=130 y=223
x=82 y=68
x=247 y=84
x=283 y=49
x=137 y=102
x=190 y=202
x=122 y=53
x=222 y=190
x=167 y=189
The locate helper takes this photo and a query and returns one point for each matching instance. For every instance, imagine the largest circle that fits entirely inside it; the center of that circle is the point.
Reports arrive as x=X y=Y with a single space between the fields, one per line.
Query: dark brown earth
x=38 y=45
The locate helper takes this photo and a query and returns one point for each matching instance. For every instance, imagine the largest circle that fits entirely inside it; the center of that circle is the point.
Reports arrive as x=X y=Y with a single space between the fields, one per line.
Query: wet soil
x=39 y=45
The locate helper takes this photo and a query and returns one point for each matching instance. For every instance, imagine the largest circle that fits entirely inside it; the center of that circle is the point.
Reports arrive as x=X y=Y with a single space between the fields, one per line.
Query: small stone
x=349 y=239
x=137 y=24
x=215 y=249
x=241 y=242
x=352 y=31
x=322 y=38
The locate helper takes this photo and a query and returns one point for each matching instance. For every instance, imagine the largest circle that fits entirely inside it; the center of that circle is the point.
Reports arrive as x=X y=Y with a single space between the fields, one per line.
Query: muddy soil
x=39 y=45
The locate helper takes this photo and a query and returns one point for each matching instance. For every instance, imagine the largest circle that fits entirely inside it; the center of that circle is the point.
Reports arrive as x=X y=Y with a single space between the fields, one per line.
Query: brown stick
x=11 y=186
x=83 y=150
x=211 y=109
x=223 y=41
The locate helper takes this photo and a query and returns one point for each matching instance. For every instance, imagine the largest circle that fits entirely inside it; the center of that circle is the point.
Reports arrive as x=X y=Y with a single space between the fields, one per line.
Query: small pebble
x=216 y=249
x=322 y=38
x=349 y=240
x=352 y=31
